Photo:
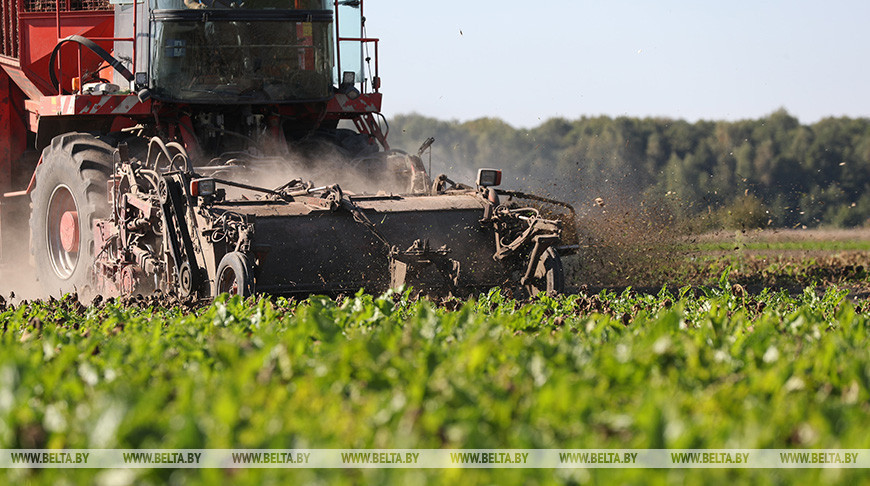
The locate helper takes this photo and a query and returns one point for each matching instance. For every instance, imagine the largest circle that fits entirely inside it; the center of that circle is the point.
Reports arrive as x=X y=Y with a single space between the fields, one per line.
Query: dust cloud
x=17 y=273
x=624 y=243
x=323 y=164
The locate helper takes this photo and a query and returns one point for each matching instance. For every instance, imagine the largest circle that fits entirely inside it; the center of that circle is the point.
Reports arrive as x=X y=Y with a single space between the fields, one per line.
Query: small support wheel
x=186 y=279
x=162 y=191
x=234 y=275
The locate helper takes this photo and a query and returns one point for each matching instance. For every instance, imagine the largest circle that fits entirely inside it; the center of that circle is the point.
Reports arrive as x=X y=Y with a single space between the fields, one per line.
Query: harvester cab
x=242 y=54
x=195 y=147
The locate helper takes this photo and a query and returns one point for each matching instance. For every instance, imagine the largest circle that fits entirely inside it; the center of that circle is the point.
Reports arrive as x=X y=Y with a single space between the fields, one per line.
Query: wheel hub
x=69 y=231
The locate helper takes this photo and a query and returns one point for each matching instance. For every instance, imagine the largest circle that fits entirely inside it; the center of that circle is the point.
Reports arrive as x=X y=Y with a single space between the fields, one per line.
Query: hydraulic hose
x=93 y=47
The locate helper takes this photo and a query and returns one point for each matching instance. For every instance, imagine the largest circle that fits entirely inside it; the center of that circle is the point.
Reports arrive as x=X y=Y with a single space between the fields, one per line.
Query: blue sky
x=525 y=62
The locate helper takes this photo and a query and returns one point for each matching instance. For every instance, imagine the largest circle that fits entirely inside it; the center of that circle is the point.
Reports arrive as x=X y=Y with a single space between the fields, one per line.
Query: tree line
x=771 y=171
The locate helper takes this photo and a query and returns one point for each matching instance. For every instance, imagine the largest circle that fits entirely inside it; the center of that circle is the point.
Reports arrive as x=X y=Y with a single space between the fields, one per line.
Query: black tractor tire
x=549 y=275
x=234 y=275
x=71 y=177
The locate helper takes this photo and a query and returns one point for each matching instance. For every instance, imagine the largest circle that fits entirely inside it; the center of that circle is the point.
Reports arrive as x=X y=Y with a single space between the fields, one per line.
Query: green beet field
x=697 y=367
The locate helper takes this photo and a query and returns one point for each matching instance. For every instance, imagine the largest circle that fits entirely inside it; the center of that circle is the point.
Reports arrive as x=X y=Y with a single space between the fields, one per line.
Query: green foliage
x=802 y=174
x=708 y=368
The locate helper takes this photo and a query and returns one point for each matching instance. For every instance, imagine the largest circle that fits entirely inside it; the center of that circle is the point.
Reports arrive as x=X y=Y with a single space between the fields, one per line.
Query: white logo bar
x=434 y=458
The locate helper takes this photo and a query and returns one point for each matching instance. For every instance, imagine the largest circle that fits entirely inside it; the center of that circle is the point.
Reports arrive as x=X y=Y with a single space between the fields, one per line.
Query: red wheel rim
x=62 y=232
